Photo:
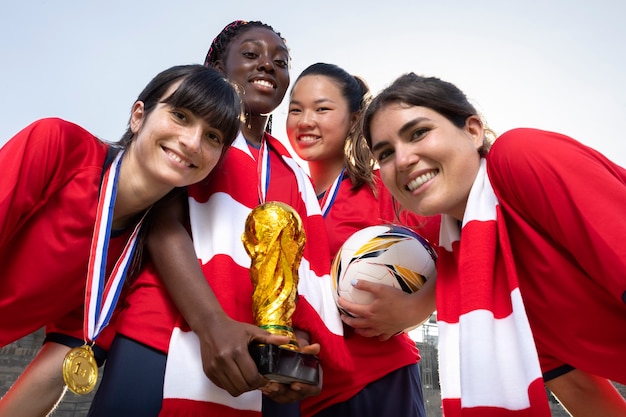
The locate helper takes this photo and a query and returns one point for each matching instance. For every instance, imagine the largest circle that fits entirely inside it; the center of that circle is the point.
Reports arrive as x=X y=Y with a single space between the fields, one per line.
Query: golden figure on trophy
x=274 y=238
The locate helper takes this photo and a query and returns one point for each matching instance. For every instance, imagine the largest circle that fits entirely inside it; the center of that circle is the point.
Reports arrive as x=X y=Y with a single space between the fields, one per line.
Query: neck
x=253 y=128
x=126 y=209
x=135 y=193
x=323 y=173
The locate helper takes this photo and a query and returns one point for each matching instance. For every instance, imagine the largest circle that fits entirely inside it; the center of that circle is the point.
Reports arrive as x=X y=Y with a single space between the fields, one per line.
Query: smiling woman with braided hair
x=205 y=346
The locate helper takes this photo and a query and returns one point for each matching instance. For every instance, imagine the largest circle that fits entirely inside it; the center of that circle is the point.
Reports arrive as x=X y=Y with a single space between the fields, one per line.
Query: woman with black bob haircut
x=72 y=205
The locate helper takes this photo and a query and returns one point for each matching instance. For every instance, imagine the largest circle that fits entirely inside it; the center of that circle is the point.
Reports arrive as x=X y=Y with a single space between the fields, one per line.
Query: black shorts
x=132 y=382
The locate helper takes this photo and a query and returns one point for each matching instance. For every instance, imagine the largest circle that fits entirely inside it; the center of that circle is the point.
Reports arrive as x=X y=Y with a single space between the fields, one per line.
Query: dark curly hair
x=220 y=44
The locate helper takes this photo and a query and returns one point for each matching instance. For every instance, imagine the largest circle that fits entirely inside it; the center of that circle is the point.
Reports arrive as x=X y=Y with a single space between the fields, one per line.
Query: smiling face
x=426 y=162
x=258 y=61
x=319 y=119
x=173 y=147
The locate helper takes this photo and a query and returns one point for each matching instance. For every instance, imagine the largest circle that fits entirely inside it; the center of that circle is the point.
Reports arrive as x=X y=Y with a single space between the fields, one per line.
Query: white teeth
x=264 y=83
x=307 y=138
x=419 y=181
x=178 y=159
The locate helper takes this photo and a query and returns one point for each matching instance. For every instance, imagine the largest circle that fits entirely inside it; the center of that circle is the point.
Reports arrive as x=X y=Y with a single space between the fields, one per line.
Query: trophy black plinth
x=285 y=365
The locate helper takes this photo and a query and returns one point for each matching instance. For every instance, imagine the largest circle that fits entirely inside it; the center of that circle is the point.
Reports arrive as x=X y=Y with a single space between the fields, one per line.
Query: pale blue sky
x=556 y=65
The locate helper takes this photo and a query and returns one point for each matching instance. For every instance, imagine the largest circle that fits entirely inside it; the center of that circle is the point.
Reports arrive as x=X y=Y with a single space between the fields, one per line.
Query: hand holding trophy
x=274 y=238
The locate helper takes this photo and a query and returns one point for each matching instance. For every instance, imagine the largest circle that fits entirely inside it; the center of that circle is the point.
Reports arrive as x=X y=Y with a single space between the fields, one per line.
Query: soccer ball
x=386 y=254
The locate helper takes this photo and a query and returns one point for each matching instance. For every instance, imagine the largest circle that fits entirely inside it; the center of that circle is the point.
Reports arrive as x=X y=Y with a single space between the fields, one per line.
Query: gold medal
x=80 y=371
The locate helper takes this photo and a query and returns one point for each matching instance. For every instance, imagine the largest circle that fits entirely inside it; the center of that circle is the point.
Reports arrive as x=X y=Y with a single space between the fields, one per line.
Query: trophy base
x=285 y=365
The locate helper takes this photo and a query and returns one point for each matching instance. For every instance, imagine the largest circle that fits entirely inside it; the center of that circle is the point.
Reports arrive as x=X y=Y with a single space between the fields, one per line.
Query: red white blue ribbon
x=329 y=196
x=263 y=168
x=101 y=294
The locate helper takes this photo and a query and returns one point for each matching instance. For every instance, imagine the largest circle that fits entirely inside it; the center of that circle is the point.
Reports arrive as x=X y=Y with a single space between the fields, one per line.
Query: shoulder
x=285 y=157
x=526 y=164
x=277 y=145
x=57 y=125
x=523 y=140
x=56 y=122
x=54 y=135
x=531 y=150
x=58 y=141
x=534 y=149
x=58 y=132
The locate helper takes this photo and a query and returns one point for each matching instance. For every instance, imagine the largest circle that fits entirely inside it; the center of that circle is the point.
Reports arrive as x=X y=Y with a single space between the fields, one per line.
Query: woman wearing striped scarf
x=188 y=355
x=531 y=285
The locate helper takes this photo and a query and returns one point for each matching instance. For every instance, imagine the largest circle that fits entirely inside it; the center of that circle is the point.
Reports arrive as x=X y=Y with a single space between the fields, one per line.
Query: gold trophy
x=274 y=238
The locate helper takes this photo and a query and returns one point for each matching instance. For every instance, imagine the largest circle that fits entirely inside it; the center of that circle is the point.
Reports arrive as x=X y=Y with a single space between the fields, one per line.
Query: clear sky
x=552 y=64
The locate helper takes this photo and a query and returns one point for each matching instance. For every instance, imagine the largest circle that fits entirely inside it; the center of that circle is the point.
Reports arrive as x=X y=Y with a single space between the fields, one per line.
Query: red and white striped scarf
x=488 y=363
x=218 y=210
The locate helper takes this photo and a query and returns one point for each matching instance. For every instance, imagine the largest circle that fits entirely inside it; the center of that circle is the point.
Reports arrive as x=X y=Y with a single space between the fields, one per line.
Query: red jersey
x=373 y=359
x=225 y=198
x=563 y=204
x=218 y=210
x=51 y=174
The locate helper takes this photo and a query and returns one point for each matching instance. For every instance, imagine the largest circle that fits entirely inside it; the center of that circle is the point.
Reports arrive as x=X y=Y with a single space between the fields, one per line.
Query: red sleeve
x=571 y=192
x=30 y=162
x=49 y=183
x=355 y=210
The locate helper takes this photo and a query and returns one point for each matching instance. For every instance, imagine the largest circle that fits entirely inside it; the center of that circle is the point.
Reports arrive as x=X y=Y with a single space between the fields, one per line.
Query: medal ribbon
x=263 y=170
x=331 y=194
x=100 y=299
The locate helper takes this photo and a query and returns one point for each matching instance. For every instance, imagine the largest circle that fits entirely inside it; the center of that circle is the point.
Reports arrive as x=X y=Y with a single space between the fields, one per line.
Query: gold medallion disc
x=80 y=371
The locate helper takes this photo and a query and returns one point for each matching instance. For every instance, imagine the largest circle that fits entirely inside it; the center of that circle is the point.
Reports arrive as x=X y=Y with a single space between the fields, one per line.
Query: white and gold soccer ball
x=386 y=254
